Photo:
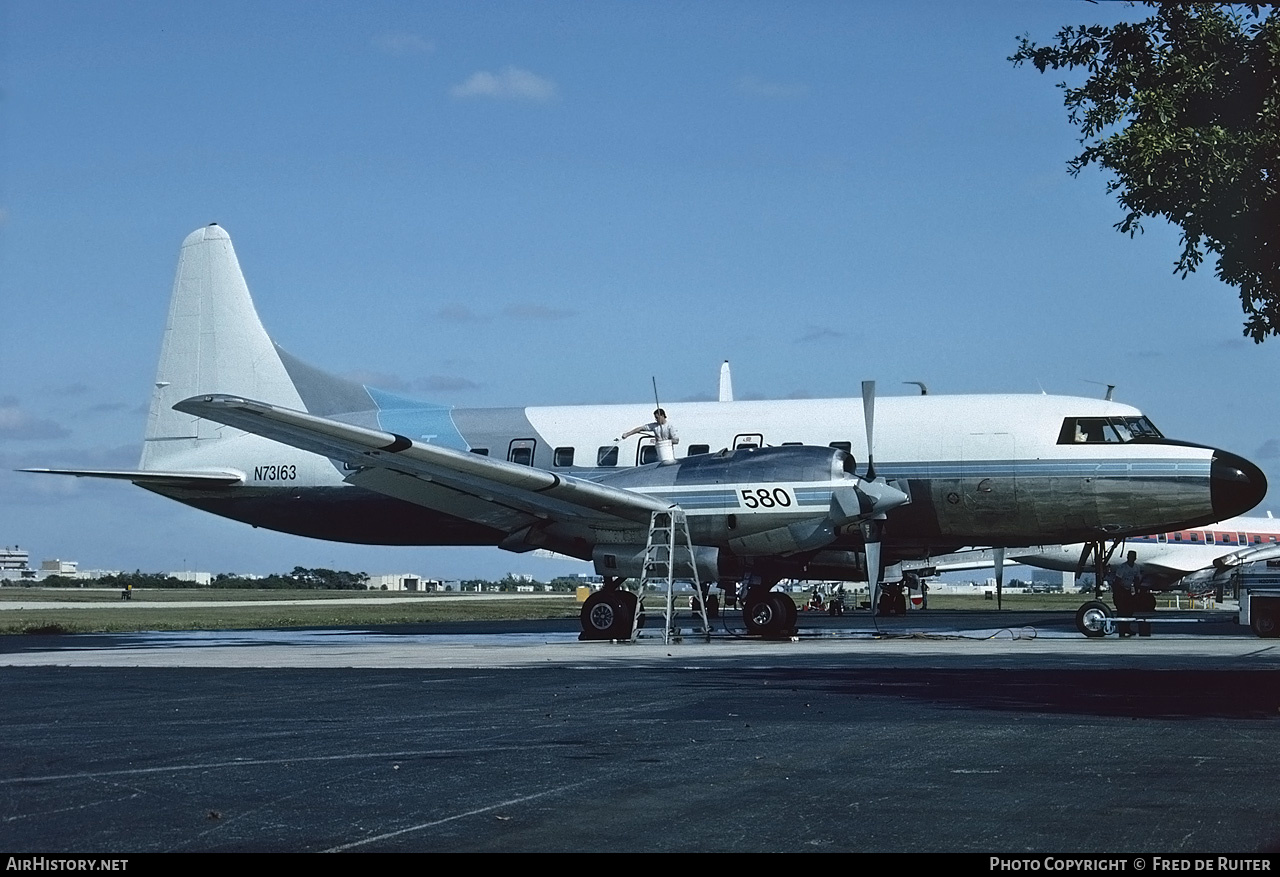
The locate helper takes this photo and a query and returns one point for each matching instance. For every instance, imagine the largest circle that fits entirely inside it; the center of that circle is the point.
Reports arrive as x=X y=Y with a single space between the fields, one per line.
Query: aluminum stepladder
x=666 y=555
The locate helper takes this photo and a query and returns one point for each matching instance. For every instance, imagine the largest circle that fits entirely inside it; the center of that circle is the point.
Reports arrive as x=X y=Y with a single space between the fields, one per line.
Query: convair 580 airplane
x=240 y=428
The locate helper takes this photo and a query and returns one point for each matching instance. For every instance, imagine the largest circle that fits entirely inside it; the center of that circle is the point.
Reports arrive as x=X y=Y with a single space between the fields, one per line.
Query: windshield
x=1104 y=430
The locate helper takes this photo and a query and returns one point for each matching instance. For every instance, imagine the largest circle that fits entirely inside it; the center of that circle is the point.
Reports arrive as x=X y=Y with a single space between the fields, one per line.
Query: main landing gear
x=768 y=613
x=893 y=600
x=609 y=613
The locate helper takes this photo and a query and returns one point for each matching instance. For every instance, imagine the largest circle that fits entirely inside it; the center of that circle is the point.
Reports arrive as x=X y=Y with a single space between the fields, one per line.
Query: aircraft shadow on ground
x=1167 y=694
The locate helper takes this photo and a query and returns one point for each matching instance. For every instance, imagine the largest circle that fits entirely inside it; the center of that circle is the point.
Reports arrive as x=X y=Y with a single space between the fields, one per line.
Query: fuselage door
x=646 y=451
x=521 y=451
x=748 y=440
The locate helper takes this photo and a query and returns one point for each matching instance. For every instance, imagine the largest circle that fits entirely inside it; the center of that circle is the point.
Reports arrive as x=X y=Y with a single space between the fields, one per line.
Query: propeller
x=869 y=414
x=866 y=502
x=883 y=497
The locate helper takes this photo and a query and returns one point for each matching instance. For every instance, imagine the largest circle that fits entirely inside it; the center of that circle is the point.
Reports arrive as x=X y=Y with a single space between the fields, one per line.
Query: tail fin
x=213 y=343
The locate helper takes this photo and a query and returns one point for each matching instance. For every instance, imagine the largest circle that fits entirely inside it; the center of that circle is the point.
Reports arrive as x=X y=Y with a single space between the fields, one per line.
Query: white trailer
x=1257 y=585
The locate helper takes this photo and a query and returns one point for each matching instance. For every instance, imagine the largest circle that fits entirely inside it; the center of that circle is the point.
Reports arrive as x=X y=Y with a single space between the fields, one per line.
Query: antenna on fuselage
x=1110 y=387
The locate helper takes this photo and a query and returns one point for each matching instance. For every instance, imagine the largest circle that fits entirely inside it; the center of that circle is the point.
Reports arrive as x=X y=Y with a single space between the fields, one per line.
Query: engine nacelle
x=627 y=561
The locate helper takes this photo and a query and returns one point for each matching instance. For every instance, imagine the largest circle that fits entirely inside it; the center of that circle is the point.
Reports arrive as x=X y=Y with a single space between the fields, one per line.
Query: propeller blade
x=869 y=414
x=872 y=531
x=999 y=558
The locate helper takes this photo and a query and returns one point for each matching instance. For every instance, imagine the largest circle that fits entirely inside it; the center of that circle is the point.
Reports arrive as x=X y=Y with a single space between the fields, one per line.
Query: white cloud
x=819 y=333
x=18 y=424
x=509 y=83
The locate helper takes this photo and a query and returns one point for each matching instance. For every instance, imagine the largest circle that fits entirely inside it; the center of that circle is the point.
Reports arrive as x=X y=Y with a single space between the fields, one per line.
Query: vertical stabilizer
x=213 y=343
x=726 y=383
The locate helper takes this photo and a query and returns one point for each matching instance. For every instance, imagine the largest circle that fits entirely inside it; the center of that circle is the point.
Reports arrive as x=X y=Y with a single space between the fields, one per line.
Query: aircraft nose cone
x=1235 y=485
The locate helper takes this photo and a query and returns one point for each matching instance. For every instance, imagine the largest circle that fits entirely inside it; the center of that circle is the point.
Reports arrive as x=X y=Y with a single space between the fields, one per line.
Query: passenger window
x=563 y=457
x=607 y=456
x=696 y=450
x=483 y=452
x=792 y=444
x=847 y=447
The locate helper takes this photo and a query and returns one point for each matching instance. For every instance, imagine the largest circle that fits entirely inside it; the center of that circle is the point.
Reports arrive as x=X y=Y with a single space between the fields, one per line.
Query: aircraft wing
x=1248 y=554
x=1176 y=561
x=506 y=496
x=959 y=561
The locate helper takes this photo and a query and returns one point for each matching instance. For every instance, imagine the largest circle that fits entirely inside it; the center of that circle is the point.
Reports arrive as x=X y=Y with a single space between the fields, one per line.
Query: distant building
x=204 y=579
x=402 y=582
x=14 y=558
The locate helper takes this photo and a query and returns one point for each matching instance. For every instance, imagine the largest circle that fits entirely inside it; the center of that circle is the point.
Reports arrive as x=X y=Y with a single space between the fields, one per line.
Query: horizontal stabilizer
x=172 y=479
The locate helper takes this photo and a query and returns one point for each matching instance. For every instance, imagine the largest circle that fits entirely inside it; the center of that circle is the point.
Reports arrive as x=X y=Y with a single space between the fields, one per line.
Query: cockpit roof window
x=1106 y=430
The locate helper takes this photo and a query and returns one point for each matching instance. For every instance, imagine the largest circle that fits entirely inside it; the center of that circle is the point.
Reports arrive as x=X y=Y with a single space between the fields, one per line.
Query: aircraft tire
x=766 y=615
x=787 y=611
x=1263 y=624
x=713 y=606
x=606 y=615
x=630 y=605
x=1092 y=619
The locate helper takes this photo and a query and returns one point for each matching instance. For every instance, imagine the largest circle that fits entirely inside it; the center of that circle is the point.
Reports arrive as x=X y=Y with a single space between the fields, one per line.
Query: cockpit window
x=1106 y=430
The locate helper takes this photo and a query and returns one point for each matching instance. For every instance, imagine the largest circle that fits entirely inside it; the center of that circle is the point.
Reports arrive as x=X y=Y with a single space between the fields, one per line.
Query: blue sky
x=515 y=203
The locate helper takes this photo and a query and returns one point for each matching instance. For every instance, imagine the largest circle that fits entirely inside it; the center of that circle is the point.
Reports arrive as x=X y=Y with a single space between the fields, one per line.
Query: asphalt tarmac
x=942 y=732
